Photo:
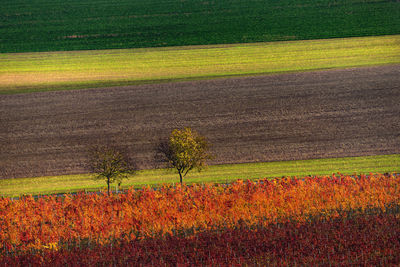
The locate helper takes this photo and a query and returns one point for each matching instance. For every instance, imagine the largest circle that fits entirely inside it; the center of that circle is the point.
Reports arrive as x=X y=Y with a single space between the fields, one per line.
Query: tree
x=184 y=150
x=111 y=164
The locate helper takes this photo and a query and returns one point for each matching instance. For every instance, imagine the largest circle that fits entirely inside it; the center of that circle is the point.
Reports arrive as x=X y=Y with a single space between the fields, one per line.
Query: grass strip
x=214 y=174
x=50 y=71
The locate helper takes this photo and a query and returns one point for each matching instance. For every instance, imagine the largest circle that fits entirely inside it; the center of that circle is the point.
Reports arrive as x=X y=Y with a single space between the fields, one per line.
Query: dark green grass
x=54 y=25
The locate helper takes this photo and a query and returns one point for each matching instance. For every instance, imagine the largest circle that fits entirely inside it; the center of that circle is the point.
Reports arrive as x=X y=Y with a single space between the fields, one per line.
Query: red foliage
x=371 y=240
x=64 y=225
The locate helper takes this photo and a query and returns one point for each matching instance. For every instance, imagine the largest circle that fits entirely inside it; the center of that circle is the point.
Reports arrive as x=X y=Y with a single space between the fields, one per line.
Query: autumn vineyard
x=329 y=220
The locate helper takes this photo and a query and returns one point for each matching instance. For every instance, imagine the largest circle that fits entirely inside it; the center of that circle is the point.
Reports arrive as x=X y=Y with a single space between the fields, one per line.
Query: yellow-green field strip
x=214 y=174
x=27 y=72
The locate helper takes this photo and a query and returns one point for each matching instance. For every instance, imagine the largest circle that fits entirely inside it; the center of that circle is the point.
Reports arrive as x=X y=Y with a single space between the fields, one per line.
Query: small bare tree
x=184 y=150
x=110 y=163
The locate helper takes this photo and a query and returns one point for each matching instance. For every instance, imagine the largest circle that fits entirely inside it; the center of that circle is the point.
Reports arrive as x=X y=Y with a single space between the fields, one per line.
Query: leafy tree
x=111 y=164
x=184 y=150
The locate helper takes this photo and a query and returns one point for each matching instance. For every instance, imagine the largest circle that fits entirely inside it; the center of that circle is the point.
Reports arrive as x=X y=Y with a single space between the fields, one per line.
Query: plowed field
x=335 y=113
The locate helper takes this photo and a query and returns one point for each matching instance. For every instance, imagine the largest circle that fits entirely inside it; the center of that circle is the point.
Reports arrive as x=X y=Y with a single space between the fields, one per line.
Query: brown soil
x=320 y=114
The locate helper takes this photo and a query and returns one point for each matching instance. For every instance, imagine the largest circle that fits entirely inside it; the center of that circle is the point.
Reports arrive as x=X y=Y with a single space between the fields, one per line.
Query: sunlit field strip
x=216 y=173
x=26 y=72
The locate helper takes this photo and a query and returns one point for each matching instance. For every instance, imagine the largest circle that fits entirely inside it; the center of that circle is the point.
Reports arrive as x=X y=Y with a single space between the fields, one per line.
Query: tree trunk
x=108 y=185
x=180 y=176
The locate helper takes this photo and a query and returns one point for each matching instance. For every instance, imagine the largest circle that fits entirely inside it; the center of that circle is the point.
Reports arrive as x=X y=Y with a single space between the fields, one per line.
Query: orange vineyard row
x=53 y=221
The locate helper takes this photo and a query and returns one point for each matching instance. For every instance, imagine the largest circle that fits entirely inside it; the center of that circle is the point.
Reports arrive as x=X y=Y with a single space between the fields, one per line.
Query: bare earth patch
x=321 y=114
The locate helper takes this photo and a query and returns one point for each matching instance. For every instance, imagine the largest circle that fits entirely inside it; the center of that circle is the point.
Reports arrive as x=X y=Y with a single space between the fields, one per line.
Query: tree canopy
x=184 y=150
x=111 y=164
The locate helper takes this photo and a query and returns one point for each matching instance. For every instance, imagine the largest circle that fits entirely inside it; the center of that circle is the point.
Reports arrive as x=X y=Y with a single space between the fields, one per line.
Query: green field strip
x=214 y=174
x=58 y=25
x=32 y=72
